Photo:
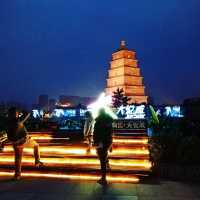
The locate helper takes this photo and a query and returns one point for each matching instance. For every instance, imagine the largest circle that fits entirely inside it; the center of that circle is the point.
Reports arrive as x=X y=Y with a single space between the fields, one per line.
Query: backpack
x=16 y=131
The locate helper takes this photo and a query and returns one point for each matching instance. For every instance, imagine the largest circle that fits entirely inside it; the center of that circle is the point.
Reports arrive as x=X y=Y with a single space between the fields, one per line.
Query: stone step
x=64 y=135
x=82 y=151
x=89 y=176
x=85 y=145
x=43 y=139
x=117 y=141
x=88 y=156
x=79 y=170
x=82 y=163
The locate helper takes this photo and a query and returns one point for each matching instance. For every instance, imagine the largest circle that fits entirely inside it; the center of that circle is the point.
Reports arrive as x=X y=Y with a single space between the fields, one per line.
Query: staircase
x=65 y=159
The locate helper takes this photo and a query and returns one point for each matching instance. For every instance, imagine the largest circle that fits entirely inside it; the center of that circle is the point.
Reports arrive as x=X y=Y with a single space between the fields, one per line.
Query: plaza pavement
x=36 y=189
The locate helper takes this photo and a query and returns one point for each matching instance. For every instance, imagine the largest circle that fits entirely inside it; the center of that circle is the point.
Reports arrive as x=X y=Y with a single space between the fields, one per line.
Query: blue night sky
x=64 y=47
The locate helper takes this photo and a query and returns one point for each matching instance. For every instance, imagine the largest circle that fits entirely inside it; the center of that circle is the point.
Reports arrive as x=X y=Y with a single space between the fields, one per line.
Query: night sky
x=64 y=46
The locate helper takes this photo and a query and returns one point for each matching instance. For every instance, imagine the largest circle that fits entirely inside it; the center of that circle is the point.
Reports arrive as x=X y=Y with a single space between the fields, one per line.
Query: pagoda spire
x=123 y=45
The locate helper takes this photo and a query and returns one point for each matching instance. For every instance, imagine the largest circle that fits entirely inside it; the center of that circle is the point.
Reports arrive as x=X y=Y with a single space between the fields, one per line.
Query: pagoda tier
x=124 y=73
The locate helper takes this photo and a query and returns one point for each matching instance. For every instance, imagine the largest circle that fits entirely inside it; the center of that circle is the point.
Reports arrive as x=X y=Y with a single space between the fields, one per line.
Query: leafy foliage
x=119 y=98
x=175 y=146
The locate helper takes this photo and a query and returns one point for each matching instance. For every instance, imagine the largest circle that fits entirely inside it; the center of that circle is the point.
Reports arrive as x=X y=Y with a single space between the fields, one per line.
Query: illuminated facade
x=125 y=73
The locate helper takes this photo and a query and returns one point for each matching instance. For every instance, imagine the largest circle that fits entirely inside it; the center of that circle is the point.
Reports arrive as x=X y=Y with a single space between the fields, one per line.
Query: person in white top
x=88 y=129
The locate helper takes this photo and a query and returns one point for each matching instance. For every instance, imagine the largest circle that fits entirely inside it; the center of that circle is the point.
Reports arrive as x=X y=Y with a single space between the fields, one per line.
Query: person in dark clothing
x=17 y=135
x=103 y=140
x=3 y=139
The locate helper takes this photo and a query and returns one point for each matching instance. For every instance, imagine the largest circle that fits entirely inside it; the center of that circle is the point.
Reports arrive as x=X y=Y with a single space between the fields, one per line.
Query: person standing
x=103 y=141
x=88 y=129
x=17 y=135
x=3 y=140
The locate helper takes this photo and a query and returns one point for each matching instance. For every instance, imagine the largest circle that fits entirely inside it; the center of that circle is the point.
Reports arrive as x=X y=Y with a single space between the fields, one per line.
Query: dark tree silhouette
x=119 y=98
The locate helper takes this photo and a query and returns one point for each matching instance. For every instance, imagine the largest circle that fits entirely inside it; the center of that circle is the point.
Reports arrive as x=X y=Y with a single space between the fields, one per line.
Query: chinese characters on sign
x=170 y=111
x=64 y=113
x=129 y=124
x=131 y=112
x=173 y=111
x=37 y=113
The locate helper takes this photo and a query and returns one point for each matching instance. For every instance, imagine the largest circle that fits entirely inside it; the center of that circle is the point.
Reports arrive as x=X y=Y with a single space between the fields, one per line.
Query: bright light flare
x=103 y=101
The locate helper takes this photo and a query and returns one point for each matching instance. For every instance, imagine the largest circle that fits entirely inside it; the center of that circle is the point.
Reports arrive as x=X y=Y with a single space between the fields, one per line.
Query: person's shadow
x=100 y=192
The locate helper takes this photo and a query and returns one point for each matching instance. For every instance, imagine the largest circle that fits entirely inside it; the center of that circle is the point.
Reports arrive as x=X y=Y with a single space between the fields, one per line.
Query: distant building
x=192 y=116
x=43 y=101
x=192 y=108
x=124 y=73
x=52 y=104
x=3 y=109
x=72 y=101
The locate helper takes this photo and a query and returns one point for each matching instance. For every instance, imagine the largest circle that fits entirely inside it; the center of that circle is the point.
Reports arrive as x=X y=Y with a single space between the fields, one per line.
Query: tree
x=119 y=98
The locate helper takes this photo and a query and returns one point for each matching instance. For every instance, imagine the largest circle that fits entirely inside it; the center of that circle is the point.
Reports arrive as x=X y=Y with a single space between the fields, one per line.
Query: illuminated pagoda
x=124 y=73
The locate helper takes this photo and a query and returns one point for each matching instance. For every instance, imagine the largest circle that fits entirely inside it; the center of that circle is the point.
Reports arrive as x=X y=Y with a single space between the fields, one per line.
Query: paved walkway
x=76 y=190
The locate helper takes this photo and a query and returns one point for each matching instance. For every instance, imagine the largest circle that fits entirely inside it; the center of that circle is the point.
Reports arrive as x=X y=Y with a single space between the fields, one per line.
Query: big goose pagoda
x=125 y=74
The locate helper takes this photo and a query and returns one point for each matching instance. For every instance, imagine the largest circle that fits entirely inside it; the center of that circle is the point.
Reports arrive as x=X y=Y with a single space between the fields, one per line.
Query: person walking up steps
x=17 y=135
x=103 y=141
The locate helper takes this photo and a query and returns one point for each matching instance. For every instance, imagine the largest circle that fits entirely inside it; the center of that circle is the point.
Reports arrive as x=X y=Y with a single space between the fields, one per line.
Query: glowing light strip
x=74 y=161
x=115 y=140
x=130 y=179
x=83 y=151
x=48 y=137
x=41 y=134
x=43 y=137
x=131 y=141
